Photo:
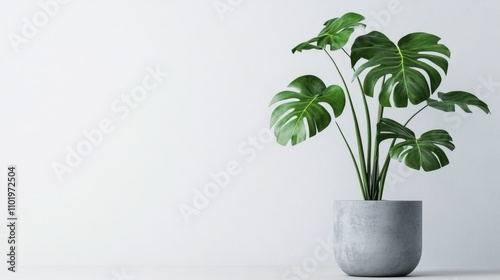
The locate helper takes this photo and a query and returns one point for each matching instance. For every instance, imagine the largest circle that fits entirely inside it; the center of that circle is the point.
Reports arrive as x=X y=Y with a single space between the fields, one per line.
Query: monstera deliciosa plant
x=397 y=74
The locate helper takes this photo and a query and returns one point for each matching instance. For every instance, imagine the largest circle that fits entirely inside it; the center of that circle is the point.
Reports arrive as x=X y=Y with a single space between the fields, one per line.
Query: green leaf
x=461 y=99
x=335 y=34
x=402 y=65
x=302 y=113
x=424 y=152
x=390 y=129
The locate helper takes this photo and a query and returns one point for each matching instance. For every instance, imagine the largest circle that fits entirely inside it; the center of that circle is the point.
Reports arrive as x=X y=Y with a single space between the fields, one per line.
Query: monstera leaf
x=402 y=65
x=305 y=102
x=335 y=34
x=461 y=99
x=416 y=153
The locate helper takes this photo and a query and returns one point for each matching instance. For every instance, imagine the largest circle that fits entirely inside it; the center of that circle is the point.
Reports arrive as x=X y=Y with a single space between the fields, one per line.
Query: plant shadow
x=456 y=273
x=443 y=274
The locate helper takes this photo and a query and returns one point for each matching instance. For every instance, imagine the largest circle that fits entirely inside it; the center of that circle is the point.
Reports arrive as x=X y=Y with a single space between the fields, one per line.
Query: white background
x=120 y=205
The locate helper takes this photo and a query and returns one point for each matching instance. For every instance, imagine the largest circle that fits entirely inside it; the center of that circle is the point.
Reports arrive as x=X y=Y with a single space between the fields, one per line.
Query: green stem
x=411 y=118
x=368 y=128
x=385 y=167
x=363 y=191
x=361 y=153
x=369 y=134
x=376 y=164
x=375 y=172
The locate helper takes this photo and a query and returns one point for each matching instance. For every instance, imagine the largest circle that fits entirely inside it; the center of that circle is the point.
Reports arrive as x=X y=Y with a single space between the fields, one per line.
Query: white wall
x=120 y=204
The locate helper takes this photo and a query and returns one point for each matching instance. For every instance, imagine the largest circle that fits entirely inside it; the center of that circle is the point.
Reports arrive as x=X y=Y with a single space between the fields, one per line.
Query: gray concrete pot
x=378 y=238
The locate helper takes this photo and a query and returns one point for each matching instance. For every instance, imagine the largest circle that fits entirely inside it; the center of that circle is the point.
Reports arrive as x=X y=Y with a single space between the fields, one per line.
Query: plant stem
x=363 y=191
x=421 y=109
x=368 y=128
x=375 y=172
x=368 y=136
x=385 y=167
x=361 y=153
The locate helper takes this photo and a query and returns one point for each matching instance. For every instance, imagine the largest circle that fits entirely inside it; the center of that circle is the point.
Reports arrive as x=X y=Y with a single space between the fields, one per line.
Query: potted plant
x=374 y=237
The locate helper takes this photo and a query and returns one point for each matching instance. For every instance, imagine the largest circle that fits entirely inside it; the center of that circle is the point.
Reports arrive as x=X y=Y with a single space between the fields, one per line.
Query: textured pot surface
x=378 y=238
